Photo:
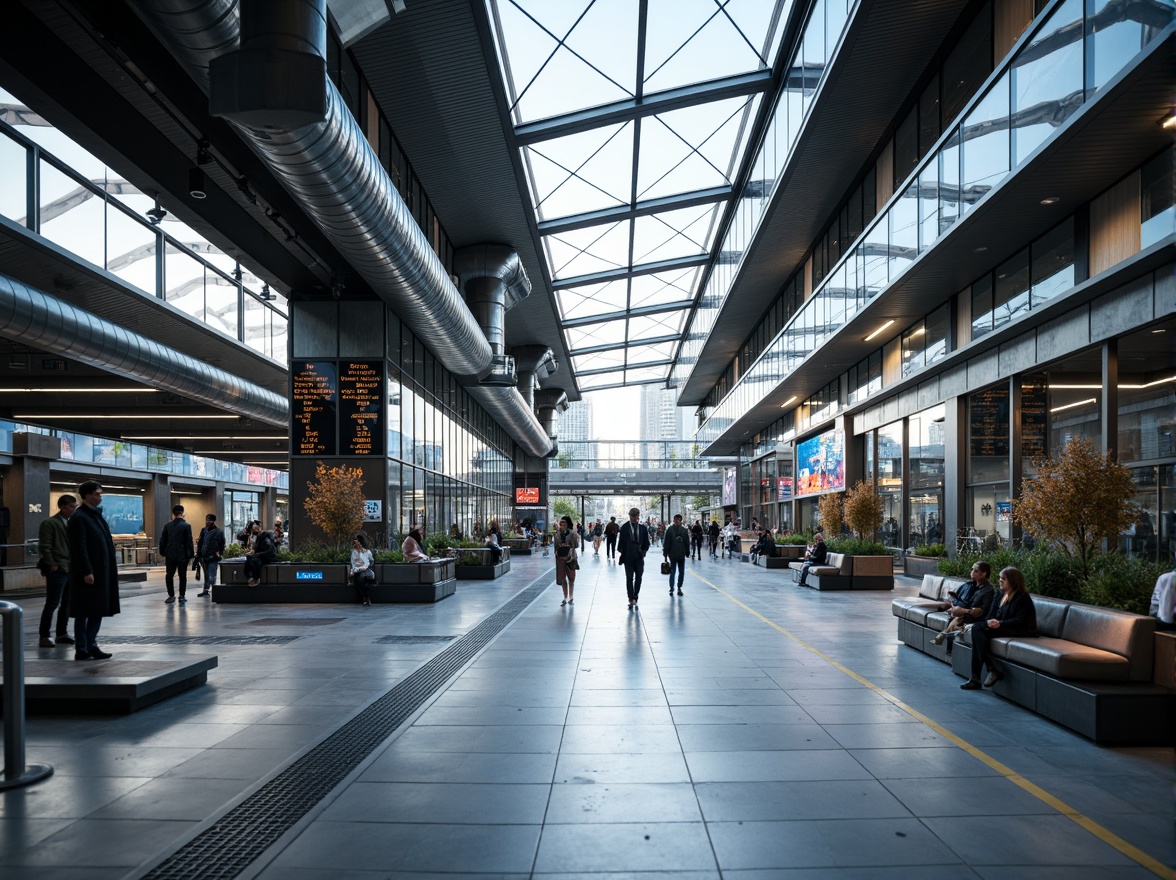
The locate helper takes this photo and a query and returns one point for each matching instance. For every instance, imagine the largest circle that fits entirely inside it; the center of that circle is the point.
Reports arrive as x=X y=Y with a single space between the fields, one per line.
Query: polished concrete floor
x=749 y=729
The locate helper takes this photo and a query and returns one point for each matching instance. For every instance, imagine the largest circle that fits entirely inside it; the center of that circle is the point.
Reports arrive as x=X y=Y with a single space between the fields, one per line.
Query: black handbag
x=666 y=567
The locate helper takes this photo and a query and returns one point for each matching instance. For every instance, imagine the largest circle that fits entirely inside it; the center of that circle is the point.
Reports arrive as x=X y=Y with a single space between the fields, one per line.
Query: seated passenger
x=495 y=550
x=411 y=548
x=818 y=554
x=971 y=603
x=262 y=552
x=1012 y=614
x=363 y=578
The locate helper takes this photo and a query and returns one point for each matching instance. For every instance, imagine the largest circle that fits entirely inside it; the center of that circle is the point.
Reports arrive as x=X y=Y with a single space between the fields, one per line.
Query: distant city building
x=573 y=431
x=662 y=418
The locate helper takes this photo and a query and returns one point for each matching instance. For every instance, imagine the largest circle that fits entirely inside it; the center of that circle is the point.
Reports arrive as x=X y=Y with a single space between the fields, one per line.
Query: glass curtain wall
x=890 y=484
x=925 y=499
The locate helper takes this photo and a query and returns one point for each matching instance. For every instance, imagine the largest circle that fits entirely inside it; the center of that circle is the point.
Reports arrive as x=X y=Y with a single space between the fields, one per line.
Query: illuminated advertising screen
x=730 y=483
x=820 y=464
x=527 y=496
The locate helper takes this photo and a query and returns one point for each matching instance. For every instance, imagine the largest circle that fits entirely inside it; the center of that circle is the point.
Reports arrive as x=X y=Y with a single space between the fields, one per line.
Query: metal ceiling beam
x=629 y=313
x=600 y=371
x=644 y=269
x=638 y=108
x=653 y=340
x=642 y=209
x=627 y=384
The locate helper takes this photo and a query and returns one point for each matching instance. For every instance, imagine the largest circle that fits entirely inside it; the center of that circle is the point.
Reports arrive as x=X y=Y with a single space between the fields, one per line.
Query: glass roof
x=631 y=155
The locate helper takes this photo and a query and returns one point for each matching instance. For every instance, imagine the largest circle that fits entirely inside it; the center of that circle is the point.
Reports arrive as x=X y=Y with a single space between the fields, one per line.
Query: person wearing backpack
x=675 y=549
x=210 y=548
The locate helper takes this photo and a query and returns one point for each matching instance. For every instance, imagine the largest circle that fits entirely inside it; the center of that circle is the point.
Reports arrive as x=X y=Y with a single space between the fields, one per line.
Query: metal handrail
x=16 y=772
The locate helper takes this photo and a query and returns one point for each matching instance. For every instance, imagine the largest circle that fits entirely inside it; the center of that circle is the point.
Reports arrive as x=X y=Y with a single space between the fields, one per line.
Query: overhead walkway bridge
x=598 y=467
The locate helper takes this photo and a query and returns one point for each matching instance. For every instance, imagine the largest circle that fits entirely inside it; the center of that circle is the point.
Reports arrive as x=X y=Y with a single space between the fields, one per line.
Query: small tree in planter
x=1078 y=500
x=335 y=502
x=863 y=509
x=829 y=510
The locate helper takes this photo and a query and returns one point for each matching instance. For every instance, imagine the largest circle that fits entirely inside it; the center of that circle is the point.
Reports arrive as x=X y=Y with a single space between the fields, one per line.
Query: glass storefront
x=890 y=479
x=925 y=502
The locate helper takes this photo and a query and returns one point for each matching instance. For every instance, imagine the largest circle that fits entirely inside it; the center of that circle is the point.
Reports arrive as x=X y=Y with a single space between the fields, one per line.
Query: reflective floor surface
x=717 y=734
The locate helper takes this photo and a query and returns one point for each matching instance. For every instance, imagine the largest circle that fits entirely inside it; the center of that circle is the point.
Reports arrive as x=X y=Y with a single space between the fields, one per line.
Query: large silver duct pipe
x=550 y=404
x=330 y=169
x=277 y=79
x=494 y=280
x=515 y=415
x=29 y=316
x=535 y=363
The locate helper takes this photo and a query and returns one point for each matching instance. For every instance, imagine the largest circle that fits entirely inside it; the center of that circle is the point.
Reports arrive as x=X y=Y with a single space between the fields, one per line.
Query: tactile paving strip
x=199 y=640
x=246 y=831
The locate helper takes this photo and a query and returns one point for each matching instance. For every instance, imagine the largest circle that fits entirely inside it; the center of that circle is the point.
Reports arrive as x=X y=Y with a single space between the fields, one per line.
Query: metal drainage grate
x=295 y=621
x=241 y=835
x=199 y=640
x=414 y=640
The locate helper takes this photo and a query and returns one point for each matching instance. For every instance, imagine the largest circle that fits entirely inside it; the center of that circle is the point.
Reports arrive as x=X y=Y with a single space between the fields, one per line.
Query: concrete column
x=1110 y=397
x=157 y=506
x=26 y=494
x=955 y=469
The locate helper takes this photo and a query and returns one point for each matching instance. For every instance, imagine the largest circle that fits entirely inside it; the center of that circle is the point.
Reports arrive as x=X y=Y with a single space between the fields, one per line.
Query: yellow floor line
x=1132 y=852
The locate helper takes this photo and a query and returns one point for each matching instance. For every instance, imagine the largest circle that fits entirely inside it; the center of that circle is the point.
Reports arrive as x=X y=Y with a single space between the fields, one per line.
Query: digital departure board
x=527 y=496
x=361 y=408
x=313 y=401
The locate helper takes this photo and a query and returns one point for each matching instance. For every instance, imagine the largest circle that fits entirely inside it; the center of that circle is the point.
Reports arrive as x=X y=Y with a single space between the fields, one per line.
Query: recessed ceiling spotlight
x=1050 y=200
x=981 y=249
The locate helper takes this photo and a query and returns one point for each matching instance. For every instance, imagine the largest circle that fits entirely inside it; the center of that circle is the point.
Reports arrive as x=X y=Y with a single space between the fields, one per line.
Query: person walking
x=696 y=541
x=597 y=537
x=175 y=543
x=93 y=573
x=610 y=539
x=210 y=549
x=567 y=559
x=712 y=537
x=53 y=546
x=632 y=545
x=675 y=549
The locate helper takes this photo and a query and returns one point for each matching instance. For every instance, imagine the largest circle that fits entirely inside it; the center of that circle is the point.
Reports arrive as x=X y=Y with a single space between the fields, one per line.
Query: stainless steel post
x=16 y=773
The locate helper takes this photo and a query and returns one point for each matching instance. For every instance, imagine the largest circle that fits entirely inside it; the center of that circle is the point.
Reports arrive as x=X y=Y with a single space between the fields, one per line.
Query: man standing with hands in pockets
x=632 y=545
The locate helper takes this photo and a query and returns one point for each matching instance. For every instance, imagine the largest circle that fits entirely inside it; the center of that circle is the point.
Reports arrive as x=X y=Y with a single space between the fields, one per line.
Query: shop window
x=1157 y=188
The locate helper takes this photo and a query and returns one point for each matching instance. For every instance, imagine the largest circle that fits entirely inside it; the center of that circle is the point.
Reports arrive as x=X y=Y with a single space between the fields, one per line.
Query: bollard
x=16 y=773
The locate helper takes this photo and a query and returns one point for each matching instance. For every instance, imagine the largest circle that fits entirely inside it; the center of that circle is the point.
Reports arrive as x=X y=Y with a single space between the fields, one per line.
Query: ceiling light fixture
x=1168 y=120
x=1050 y=200
x=791 y=400
x=879 y=330
x=131 y=416
x=1088 y=400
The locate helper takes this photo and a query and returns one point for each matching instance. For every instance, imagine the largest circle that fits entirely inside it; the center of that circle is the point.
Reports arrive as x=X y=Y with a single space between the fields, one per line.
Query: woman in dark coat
x=93 y=573
x=1012 y=614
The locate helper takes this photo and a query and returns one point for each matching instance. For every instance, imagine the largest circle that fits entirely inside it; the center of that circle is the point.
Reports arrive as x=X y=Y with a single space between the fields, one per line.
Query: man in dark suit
x=632 y=545
x=93 y=573
x=175 y=543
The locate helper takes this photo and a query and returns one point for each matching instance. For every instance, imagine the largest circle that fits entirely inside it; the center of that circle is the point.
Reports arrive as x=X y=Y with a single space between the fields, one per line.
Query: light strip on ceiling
x=879 y=330
x=77 y=390
x=791 y=400
x=1072 y=405
x=131 y=416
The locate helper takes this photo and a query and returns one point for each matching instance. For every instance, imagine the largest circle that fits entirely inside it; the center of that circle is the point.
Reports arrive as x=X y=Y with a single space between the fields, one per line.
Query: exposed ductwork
x=337 y=178
x=29 y=316
x=331 y=170
x=550 y=404
x=494 y=281
x=535 y=363
x=277 y=79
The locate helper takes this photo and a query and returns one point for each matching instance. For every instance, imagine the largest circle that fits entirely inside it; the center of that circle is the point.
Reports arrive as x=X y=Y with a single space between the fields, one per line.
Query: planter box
x=872 y=572
x=312 y=593
x=231 y=572
x=917 y=566
x=304 y=573
x=404 y=573
x=482 y=572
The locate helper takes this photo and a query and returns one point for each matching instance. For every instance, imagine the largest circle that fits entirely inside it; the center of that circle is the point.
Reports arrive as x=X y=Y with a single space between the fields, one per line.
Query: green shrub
x=1118 y=582
x=931 y=550
x=1052 y=573
x=320 y=554
x=388 y=556
x=436 y=545
x=469 y=559
x=858 y=547
x=794 y=540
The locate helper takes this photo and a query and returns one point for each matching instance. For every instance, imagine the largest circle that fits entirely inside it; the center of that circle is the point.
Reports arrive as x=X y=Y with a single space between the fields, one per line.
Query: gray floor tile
x=439 y=803
x=772 y=766
x=622 y=803
x=590 y=739
x=966 y=796
x=395 y=765
x=779 y=801
x=619 y=716
x=103 y=843
x=751 y=737
x=886 y=735
x=591 y=769
x=173 y=798
x=777 y=714
x=510 y=738
x=836 y=843
x=920 y=763
x=585 y=849
x=1047 y=840
x=68 y=797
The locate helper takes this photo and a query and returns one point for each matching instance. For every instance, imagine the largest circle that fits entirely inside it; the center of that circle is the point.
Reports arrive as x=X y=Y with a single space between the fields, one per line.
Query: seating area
x=846 y=572
x=292 y=583
x=1091 y=669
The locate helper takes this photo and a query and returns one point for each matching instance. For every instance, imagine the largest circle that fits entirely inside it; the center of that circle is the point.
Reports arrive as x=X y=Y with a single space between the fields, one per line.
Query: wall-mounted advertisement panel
x=820 y=464
x=730 y=486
